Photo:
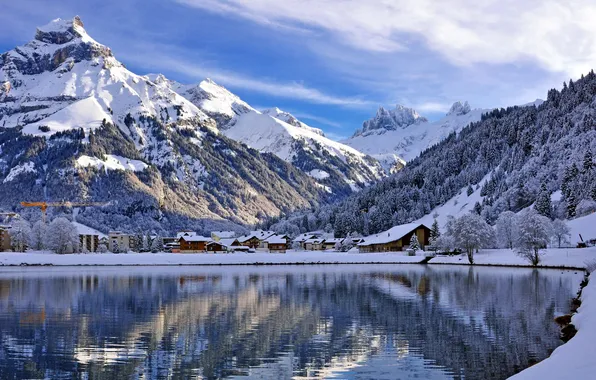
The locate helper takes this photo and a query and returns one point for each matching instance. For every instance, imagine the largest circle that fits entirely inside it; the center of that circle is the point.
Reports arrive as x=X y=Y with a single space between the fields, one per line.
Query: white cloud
x=559 y=35
x=292 y=90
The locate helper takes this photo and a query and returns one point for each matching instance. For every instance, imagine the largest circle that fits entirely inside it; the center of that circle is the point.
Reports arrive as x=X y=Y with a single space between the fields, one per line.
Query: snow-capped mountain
x=338 y=168
x=76 y=124
x=397 y=136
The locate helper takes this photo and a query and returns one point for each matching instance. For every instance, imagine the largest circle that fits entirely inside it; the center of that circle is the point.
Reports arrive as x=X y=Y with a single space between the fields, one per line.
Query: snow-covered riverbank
x=574 y=359
x=570 y=258
x=260 y=258
x=553 y=258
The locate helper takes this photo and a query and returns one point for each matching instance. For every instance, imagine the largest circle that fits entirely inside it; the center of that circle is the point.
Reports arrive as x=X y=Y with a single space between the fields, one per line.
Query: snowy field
x=574 y=359
x=570 y=258
x=553 y=257
x=292 y=257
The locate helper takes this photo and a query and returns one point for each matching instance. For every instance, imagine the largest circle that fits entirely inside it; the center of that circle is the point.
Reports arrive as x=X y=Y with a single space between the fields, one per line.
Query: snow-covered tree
x=435 y=232
x=115 y=247
x=62 y=236
x=20 y=234
x=506 y=230
x=414 y=244
x=102 y=248
x=471 y=232
x=543 y=204
x=585 y=207
x=38 y=235
x=561 y=232
x=157 y=244
x=534 y=233
x=445 y=243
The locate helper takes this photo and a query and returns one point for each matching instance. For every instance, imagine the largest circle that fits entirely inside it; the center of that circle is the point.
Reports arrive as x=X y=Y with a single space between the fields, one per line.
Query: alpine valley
x=76 y=124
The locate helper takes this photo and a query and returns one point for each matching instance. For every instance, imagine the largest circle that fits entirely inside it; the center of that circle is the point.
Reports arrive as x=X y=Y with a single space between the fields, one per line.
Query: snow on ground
x=112 y=162
x=19 y=169
x=571 y=258
x=318 y=174
x=586 y=226
x=292 y=257
x=554 y=257
x=456 y=206
x=87 y=114
x=574 y=359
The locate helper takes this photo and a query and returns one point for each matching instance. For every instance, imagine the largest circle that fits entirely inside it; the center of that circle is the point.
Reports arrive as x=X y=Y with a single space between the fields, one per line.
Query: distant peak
x=459 y=108
x=61 y=31
x=399 y=117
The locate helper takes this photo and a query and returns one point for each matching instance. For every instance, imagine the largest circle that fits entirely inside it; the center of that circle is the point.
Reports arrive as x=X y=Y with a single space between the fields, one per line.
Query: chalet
x=395 y=239
x=276 y=244
x=330 y=244
x=315 y=244
x=4 y=238
x=302 y=238
x=193 y=244
x=233 y=245
x=218 y=235
x=254 y=238
x=185 y=233
x=216 y=247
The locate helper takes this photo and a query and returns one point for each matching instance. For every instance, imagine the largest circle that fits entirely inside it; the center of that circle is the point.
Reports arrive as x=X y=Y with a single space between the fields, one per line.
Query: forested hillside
x=519 y=149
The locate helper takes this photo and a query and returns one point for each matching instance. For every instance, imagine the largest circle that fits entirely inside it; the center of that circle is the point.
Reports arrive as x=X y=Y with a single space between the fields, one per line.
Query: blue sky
x=333 y=62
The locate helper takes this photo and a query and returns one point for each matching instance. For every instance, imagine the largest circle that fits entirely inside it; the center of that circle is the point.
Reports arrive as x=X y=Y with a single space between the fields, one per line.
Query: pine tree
x=543 y=203
x=414 y=244
x=157 y=244
x=588 y=161
x=470 y=190
x=571 y=206
x=435 y=232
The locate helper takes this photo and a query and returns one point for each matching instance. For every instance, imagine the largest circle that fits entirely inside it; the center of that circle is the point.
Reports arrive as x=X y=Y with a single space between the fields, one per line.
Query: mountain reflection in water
x=354 y=322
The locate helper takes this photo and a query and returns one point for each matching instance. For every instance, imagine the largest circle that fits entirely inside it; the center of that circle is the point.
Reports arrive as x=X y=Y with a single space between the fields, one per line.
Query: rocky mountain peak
x=390 y=120
x=459 y=108
x=61 y=31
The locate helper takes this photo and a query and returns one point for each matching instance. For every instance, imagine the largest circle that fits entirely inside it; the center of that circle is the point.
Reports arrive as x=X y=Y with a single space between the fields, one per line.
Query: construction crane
x=44 y=205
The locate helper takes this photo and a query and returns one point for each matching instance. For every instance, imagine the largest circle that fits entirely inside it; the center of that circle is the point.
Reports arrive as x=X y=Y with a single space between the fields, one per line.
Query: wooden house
x=300 y=240
x=396 y=239
x=331 y=244
x=315 y=244
x=233 y=245
x=255 y=239
x=216 y=247
x=4 y=239
x=193 y=244
x=276 y=244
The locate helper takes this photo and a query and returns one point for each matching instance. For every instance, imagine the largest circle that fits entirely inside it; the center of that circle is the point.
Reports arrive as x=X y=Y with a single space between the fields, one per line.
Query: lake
x=279 y=322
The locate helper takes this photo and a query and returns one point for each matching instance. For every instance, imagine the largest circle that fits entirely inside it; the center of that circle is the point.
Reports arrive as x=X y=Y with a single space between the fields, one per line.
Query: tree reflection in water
x=279 y=322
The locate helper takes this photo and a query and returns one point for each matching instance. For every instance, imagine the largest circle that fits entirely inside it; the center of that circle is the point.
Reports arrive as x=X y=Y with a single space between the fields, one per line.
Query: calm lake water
x=341 y=322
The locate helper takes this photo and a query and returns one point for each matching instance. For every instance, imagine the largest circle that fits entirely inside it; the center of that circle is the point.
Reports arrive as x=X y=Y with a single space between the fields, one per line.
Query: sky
x=332 y=63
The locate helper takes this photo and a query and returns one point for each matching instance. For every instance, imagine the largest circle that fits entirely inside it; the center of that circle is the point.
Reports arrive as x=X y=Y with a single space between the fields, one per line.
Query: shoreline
x=561 y=259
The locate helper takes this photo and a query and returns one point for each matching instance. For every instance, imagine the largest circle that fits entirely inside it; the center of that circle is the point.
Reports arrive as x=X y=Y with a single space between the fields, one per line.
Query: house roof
x=228 y=242
x=305 y=236
x=85 y=230
x=194 y=238
x=333 y=240
x=314 y=241
x=259 y=234
x=185 y=233
x=276 y=239
x=390 y=235
x=224 y=234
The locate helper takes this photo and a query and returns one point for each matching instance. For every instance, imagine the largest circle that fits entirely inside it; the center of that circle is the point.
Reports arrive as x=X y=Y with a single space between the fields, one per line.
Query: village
x=397 y=239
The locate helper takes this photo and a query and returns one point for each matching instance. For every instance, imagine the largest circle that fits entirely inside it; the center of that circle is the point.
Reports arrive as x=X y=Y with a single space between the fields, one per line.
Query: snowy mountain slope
x=339 y=167
x=395 y=137
x=69 y=111
x=291 y=119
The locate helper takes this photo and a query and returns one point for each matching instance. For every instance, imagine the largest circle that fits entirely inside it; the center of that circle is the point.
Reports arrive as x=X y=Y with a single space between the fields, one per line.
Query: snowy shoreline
x=574 y=359
x=553 y=258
